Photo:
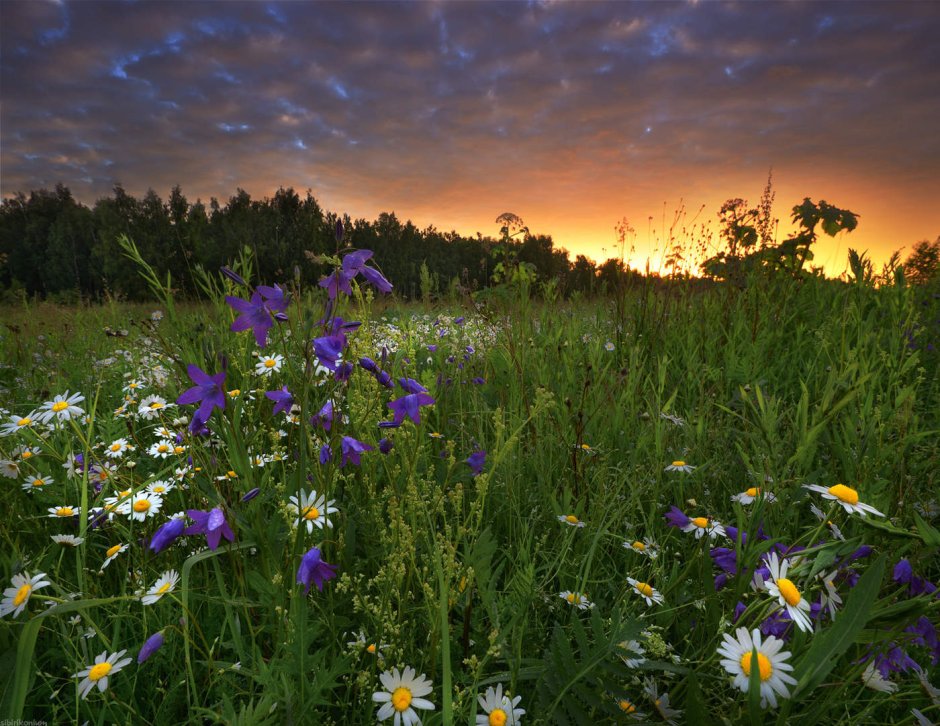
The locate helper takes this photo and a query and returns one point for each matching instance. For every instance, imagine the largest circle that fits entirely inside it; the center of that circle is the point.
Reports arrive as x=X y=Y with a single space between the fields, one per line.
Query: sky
x=572 y=115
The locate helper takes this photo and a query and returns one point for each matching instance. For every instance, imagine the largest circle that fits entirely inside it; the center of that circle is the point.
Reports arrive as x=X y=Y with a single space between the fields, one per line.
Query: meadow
x=350 y=509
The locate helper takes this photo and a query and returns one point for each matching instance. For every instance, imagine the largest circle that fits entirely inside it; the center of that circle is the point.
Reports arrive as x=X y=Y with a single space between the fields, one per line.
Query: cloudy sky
x=572 y=115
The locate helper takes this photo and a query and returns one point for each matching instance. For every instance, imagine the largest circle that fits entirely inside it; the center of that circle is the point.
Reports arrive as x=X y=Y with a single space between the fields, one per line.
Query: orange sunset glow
x=573 y=116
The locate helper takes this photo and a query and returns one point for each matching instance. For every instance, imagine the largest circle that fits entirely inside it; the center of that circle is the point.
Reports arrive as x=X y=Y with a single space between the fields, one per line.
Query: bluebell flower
x=313 y=570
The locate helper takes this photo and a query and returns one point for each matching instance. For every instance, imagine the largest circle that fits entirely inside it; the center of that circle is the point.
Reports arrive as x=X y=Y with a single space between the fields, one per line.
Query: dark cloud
x=449 y=106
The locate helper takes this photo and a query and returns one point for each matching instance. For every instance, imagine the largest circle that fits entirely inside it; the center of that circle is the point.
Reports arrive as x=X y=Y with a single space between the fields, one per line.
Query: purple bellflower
x=212 y=524
x=208 y=390
x=313 y=570
x=409 y=406
x=329 y=349
x=283 y=400
x=167 y=534
x=259 y=312
x=352 y=448
x=151 y=646
x=476 y=461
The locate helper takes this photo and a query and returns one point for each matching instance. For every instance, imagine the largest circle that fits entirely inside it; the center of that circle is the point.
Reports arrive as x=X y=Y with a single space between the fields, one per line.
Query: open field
x=581 y=502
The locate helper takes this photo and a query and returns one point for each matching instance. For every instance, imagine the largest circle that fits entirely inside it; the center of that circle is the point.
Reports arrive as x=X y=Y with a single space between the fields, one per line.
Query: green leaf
x=929 y=534
x=829 y=645
x=755 y=715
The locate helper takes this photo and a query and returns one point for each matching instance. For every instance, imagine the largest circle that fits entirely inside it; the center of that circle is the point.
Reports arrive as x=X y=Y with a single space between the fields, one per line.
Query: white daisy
x=634 y=647
x=646 y=547
x=661 y=702
x=571 y=520
x=16 y=597
x=702 y=526
x=160 y=487
x=152 y=406
x=787 y=594
x=143 y=505
x=116 y=448
x=166 y=583
x=608 y=346
x=61 y=408
x=133 y=386
x=402 y=695
x=646 y=591
x=680 y=465
x=67 y=540
x=771 y=663
x=831 y=599
x=846 y=496
x=833 y=527
x=361 y=643
x=872 y=678
x=100 y=473
x=10 y=469
x=18 y=423
x=578 y=599
x=64 y=512
x=112 y=552
x=161 y=449
x=628 y=708
x=312 y=510
x=752 y=494
x=36 y=483
x=268 y=364
x=499 y=709
x=98 y=674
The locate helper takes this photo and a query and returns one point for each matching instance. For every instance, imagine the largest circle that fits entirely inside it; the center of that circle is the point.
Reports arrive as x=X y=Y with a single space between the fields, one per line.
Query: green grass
x=779 y=385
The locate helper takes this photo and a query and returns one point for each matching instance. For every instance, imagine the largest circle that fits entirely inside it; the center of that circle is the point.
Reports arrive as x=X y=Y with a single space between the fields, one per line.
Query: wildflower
x=160 y=487
x=314 y=570
x=436 y=435
x=98 y=674
x=661 y=702
x=680 y=465
x=36 y=483
x=632 y=646
x=646 y=547
x=751 y=494
x=18 y=423
x=499 y=709
x=410 y=406
x=61 y=408
x=9 y=469
x=608 y=346
x=166 y=534
x=16 y=597
x=268 y=364
x=151 y=407
x=351 y=449
x=571 y=520
x=578 y=599
x=846 y=496
x=873 y=679
x=142 y=506
x=787 y=593
x=161 y=449
x=67 y=540
x=329 y=350
x=212 y=524
x=208 y=390
x=166 y=583
x=628 y=708
x=132 y=386
x=830 y=598
x=476 y=461
x=117 y=448
x=402 y=695
x=646 y=591
x=283 y=400
x=312 y=510
x=258 y=313
x=151 y=646
x=251 y=494
x=821 y=516
x=738 y=655
x=701 y=526
x=113 y=551
x=64 y=511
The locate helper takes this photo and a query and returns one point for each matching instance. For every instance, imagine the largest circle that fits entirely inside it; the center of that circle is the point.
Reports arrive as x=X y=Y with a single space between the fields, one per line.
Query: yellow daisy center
x=179 y=449
x=638 y=546
x=141 y=505
x=586 y=447
x=38 y=482
x=844 y=494
x=64 y=512
x=155 y=405
x=371 y=648
x=571 y=519
x=115 y=447
x=231 y=475
x=788 y=591
x=752 y=492
x=60 y=406
x=574 y=598
x=401 y=698
x=163 y=448
x=124 y=493
x=165 y=587
x=700 y=522
x=25 y=421
x=26 y=454
x=644 y=589
x=113 y=550
x=159 y=489
x=678 y=463
x=311 y=512
x=497 y=717
x=234 y=392
x=99 y=671
x=22 y=595
x=763 y=665
x=626 y=706
x=270 y=363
